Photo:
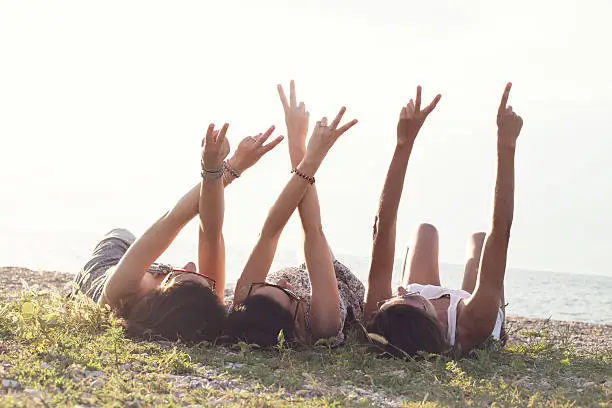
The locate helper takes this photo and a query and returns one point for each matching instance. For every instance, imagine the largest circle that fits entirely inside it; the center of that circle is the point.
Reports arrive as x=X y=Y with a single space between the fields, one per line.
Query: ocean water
x=537 y=294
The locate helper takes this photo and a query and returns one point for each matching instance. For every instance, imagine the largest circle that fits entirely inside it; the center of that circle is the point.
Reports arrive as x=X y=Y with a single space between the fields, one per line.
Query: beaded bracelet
x=309 y=179
x=230 y=170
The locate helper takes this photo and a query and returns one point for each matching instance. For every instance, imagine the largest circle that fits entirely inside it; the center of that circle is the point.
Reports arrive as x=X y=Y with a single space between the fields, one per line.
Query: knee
x=122 y=234
x=478 y=239
x=426 y=231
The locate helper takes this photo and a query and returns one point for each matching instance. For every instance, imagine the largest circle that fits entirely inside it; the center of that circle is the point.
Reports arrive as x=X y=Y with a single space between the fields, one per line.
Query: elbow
x=327 y=329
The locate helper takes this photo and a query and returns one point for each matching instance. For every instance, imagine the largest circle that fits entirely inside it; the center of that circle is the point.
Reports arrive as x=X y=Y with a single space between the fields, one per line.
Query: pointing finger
x=338 y=118
x=210 y=134
x=417 y=105
x=283 y=97
x=261 y=139
x=292 y=95
x=222 y=133
x=504 y=99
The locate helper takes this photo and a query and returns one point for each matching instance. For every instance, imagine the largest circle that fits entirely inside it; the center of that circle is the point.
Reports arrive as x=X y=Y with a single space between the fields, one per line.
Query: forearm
x=384 y=234
x=494 y=256
x=211 y=208
x=383 y=249
x=503 y=202
x=288 y=200
x=211 y=261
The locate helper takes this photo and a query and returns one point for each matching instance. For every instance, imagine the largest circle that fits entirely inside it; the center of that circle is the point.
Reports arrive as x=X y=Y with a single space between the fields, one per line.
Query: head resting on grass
x=182 y=310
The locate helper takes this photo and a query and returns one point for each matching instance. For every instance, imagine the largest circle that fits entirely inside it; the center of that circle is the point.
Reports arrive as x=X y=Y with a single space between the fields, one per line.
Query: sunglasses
x=405 y=296
x=292 y=296
x=177 y=271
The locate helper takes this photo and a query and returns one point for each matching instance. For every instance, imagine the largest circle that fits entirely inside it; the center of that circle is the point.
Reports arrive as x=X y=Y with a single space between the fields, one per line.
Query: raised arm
x=477 y=319
x=325 y=302
x=211 y=245
x=261 y=257
x=126 y=278
x=383 y=248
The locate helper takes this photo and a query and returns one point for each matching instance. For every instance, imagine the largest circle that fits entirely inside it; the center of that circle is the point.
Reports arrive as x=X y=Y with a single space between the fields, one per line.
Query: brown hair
x=186 y=310
x=259 y=320
x=407 y=330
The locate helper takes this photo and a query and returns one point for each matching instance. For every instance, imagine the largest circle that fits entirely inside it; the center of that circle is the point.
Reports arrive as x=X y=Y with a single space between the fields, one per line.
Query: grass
x=66 y=353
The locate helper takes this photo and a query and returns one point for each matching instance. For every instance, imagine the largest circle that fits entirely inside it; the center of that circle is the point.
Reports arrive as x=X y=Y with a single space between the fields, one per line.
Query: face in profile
x=188 y=274
x=413 y=299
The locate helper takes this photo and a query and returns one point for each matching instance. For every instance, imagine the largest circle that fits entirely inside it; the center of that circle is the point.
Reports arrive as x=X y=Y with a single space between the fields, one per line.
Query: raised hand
x=215 y=147
x=412 y=118
x=296 y=116
x=509 y=124
x=251 y=149
x=324 y=136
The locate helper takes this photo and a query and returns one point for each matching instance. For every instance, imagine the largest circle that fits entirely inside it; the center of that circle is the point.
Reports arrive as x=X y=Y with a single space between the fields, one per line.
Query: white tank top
x=435 y=292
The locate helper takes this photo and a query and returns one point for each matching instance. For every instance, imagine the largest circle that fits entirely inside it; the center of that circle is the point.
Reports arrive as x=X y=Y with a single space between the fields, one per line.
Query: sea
x=529 y=293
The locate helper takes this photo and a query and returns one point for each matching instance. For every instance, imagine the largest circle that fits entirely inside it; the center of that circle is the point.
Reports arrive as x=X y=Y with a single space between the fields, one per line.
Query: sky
x=103 y=106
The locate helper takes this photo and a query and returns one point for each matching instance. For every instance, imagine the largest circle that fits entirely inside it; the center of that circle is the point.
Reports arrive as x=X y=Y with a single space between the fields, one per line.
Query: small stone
x=544 y=386
x=45 y=366
x=94 y=374
x=588 y=384
x=126 y=366
x=32 y=393
x=10 y=383
x=98 y=383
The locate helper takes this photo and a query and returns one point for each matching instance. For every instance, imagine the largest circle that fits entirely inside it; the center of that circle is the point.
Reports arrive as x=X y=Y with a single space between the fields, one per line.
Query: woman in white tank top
x=422 y=315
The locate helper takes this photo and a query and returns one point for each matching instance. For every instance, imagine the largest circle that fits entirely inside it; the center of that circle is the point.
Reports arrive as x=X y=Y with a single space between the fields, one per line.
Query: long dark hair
x=185 y=311
x=259 y=320
x=407 y=330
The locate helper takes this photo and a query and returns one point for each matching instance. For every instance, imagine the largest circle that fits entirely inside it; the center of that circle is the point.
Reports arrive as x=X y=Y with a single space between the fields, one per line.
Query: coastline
x=44 y=361
x=589 y=337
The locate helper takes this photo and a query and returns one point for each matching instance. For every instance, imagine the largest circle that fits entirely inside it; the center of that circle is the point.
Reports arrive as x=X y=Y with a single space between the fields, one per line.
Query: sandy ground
x=584 y=336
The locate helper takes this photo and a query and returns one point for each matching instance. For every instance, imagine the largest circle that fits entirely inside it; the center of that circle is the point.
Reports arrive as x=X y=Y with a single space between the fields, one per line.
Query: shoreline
x=545 y=363
x=11 y=279
x=590 y=337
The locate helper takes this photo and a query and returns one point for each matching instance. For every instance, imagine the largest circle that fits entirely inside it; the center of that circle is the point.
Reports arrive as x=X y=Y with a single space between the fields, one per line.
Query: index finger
x=261 y=139
x=283 y=97
x=209 y=133
x=338 y=118
x=292 y=95
x=504 y=99
x=222 y=133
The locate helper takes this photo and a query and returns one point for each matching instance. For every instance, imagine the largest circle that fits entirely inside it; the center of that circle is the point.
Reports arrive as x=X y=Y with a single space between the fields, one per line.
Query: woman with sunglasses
x=313 y=301
x=160 y=300
x=422 y=315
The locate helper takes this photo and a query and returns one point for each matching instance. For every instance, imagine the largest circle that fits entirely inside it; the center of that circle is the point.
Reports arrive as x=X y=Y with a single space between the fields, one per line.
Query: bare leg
x=472 y=264
x=422 y=259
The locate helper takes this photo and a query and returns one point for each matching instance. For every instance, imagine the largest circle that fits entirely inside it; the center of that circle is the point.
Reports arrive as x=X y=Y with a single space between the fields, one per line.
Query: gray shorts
x=107 y=253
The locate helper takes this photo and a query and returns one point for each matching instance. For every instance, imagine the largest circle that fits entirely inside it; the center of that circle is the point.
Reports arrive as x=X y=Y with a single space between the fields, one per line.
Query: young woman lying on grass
x=312 y=301
x=161 y=300
x=422 y=315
